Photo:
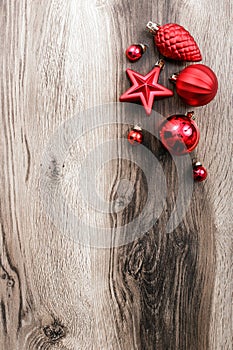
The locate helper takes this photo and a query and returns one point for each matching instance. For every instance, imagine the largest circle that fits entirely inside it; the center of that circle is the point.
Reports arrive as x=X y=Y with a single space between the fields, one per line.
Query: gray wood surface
x=162 y=291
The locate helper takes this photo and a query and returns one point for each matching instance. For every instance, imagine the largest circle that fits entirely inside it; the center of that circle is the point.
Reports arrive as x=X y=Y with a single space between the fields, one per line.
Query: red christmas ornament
x=173 y=41
x=135 y=52
x=135 y=135
x=197 y=84
x=199 y=172
x=179 y=134
x=145 y=88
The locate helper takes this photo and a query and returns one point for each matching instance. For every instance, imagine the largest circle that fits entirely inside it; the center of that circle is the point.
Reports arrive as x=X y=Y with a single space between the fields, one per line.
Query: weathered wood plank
x=162 y=291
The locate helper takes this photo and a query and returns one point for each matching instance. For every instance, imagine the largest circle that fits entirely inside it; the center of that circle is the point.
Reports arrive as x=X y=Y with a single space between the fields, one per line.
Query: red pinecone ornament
x=174 y=41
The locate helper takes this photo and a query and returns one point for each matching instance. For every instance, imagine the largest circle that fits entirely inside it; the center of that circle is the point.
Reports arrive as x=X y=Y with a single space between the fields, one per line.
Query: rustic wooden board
x=162 y=291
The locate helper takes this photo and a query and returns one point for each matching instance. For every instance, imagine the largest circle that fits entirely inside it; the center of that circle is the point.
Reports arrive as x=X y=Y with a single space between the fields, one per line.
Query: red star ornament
x=145 y=88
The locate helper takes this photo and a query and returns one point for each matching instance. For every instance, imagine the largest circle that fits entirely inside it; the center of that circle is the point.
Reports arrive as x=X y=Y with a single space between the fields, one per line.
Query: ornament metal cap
x=196 y=163
x=144 y=47
x=137 y=127
x=190 y=115
x=174 y=77
x=152 y=27
x=160 y=64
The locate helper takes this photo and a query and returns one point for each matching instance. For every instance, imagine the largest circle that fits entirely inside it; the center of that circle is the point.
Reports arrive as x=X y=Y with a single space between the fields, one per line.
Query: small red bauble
x=179 y=134
x=135 y=52
x=197 y=84
x=199 y=172
x=173 y=41
x=135 y=135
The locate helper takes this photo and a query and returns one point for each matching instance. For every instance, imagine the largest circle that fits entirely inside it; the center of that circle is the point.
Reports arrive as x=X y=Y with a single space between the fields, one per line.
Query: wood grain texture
x=163 y=291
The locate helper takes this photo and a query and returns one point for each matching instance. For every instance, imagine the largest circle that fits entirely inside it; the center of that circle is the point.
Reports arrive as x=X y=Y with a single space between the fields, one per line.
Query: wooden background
x=162 y=291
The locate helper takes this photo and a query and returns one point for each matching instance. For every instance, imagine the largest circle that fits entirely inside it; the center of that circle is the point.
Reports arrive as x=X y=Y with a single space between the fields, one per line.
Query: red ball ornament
x=179 y=134
x=135 y=135
x=173 y=41
x=197 y=84
x=199 y=172
x=135 y=52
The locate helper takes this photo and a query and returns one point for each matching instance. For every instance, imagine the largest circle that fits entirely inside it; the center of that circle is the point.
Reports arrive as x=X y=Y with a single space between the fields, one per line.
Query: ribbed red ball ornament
x=197 y=84
x=179 y=134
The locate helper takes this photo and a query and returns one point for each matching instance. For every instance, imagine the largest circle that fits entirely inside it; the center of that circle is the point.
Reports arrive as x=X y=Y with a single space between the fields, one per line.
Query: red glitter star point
x=145 y=88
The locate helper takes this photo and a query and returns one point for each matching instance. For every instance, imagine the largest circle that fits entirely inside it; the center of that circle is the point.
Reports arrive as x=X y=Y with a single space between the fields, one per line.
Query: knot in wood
x=54 y=331
x=4 y=276
x=10 y=282
x=135 y=261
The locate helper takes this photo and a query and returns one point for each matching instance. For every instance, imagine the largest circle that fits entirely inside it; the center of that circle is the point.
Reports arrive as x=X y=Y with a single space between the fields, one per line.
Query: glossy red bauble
x=174 y=41
x=179 y=134
x=197 y=84
x=199 y=172
x=135 y=52
x=135 y=136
